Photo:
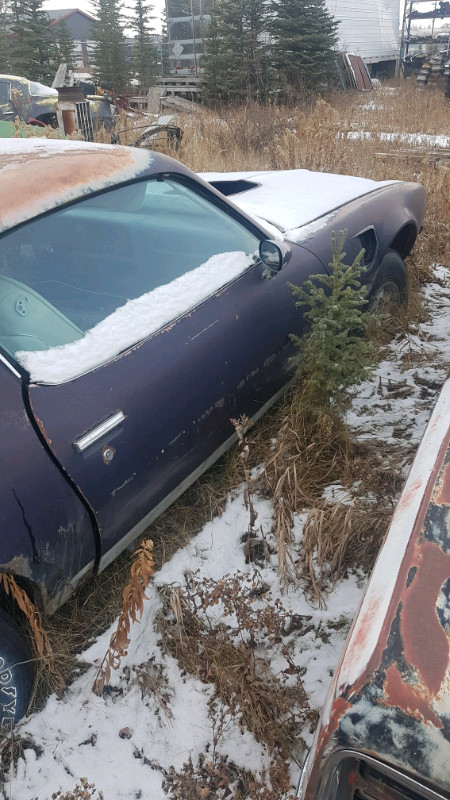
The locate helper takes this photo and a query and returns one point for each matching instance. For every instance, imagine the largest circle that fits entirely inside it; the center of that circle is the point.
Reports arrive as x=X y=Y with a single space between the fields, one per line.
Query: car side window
x=64 y=274
x=4 y=92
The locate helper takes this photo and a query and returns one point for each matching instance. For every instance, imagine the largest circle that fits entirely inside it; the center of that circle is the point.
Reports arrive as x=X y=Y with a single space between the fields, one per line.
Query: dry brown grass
x=338 y=537
x=133 y=597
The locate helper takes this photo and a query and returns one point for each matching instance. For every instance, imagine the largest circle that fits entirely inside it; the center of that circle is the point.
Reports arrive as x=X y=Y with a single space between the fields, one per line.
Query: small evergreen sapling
x=336 y=354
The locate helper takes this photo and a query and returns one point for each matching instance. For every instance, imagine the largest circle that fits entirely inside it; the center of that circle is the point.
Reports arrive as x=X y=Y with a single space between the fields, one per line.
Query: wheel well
x=9 y=604
x=404 y=241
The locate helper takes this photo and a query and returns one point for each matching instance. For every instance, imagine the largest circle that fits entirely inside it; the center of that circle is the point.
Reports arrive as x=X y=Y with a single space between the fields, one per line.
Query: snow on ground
x=415 y=139
x=125 y=742
x=395 y=405
x=80 y=734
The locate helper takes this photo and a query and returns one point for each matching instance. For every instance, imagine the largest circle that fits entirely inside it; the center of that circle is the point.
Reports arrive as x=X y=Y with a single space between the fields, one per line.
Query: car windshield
x=65 y=273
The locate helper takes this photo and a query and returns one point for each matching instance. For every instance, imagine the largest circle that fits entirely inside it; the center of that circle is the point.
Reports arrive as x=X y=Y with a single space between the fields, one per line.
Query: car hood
x=290 y=199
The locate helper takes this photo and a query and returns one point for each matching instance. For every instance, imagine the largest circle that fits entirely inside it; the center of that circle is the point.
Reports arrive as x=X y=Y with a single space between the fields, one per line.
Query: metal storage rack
x=441 y=11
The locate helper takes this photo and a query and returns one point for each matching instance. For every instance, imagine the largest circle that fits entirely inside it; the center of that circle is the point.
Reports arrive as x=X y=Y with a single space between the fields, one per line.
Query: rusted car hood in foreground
x=390 y=696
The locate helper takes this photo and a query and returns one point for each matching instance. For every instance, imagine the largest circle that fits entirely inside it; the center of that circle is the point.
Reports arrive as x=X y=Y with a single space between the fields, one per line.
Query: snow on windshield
x=134 y=321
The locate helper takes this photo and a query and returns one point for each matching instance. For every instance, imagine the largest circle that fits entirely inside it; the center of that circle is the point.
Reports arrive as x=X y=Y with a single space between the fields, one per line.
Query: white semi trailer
x=370 y=29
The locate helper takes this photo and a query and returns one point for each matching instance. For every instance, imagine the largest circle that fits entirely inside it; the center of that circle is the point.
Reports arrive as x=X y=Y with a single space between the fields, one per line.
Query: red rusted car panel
x=389 y=703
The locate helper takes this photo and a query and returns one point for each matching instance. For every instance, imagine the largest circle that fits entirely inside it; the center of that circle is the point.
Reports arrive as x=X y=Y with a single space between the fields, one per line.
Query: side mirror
x=273 y=255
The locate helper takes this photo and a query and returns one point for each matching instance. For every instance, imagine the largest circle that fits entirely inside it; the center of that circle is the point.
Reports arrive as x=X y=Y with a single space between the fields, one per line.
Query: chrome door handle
x=91 y=437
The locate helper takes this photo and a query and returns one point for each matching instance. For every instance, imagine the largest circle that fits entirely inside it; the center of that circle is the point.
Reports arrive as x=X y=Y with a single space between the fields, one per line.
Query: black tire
x=390 y=285
x=16 y=673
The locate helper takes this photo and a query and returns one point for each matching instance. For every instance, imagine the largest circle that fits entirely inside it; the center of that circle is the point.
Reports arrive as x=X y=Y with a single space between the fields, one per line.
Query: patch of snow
x=395 y=404
x=64 y=729
x=371 y=106
x=136 y=320
x=416 y=139
x=336 y=493
x=305 y=232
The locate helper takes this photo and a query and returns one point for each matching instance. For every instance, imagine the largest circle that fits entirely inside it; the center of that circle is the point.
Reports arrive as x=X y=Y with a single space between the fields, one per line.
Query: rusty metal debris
x=353 y=73
x=154 y=137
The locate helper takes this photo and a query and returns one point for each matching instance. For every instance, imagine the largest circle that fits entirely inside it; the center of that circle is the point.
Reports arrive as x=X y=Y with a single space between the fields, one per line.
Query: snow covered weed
x=82 y=791
x=224 y=632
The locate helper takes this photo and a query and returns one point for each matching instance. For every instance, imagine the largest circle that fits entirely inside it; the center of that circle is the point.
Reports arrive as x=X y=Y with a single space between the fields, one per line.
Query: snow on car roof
x=37 y=175
x=295 y=197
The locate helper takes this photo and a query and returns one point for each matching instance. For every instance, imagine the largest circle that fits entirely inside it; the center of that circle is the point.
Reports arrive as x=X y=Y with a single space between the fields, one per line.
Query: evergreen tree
x=111 y=68
x=336 y=353
x=65 y=44
x=235 y=52
x=144 y=51
x=4 y=44
x=165 y=66
x=303 y=36
x=33 y=47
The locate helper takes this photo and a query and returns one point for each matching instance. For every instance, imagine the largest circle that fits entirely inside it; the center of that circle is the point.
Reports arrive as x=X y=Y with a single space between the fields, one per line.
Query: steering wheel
x=29 y=322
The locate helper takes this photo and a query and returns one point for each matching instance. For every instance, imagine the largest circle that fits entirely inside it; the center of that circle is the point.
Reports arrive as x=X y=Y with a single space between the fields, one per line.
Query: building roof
x=63 y=13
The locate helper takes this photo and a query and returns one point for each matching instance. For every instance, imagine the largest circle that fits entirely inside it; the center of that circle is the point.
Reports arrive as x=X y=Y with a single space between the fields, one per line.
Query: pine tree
x=235 y=62
x=111 y=68
x=336 y=353
x=5 y=65
x=214 y=63
x=65 y=44
x=303 y=36
x=33 y=47
x=165 y=66
x=144 y=51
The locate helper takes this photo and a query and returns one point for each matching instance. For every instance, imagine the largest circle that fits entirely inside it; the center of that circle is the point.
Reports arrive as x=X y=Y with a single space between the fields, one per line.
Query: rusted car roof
x=390 y=696
x=57 y=172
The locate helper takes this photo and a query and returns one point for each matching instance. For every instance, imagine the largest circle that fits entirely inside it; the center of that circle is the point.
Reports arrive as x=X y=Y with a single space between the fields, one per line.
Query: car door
x=136 y=427
x=7 y=111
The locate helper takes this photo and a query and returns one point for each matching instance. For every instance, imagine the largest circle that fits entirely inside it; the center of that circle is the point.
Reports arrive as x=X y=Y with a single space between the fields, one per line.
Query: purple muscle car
x=140 y=310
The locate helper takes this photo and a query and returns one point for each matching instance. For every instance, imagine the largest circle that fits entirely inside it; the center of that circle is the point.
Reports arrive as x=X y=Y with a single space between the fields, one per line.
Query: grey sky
x=84 y=5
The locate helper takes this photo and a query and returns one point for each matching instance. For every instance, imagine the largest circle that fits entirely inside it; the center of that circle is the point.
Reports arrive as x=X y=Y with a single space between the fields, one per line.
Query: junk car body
x=384 y=732
x=29 y=100
x=141 y=310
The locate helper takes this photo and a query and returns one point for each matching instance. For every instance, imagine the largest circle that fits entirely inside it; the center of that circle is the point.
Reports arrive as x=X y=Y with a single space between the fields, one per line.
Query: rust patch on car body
x=412 y=699
x=395 y=705
x=58 y=172
x=426 y=645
